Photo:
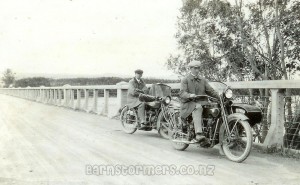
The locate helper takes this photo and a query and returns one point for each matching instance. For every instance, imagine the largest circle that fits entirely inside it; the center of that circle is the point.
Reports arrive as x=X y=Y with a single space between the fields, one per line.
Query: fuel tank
x=154 y=104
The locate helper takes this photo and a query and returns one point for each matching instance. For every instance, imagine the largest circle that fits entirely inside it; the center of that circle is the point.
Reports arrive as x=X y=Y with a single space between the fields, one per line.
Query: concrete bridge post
x=106 y=101
x=66 y=95
x=47 y=95
x=59 y=97
x=275 y=133
x=36 y=95
x=72 y=98
x=121 y=94
x=44 y=96
x=50 y=96
x=86 y=100
x=95 y=100
x=78 y=102
x=55 y=96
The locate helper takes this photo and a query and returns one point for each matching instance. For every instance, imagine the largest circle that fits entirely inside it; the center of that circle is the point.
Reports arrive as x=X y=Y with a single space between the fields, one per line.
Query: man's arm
x=183 y=93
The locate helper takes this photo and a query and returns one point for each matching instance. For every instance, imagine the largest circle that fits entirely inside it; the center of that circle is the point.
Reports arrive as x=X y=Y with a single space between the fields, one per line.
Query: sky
x=88 y=37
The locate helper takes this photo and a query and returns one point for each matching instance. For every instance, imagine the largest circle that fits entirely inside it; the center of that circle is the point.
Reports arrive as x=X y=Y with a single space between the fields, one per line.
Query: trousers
x=141 y=112
x=197 y=118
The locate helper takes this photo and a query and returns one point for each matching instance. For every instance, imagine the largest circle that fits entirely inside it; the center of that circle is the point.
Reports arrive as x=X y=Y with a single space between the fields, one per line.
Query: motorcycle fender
x=239 y=116
x=124 y=107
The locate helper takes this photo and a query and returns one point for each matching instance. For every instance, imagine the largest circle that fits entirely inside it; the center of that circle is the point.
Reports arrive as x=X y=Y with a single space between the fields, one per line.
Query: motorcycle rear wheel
x=238 y=146
x=179 y=145
x=129 y=124
x=177 y=134
x=164 y=126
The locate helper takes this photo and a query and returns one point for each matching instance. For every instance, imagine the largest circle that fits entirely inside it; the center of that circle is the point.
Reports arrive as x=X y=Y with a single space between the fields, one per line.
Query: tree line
x=10 y=81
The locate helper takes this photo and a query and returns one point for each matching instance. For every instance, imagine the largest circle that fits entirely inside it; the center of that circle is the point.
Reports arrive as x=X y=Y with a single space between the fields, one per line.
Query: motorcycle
x=223 y=122
x=156 y=111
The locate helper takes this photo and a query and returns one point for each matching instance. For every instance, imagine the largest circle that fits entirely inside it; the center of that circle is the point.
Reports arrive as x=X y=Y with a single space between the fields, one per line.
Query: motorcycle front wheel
x=238 y=143
x=129 y=121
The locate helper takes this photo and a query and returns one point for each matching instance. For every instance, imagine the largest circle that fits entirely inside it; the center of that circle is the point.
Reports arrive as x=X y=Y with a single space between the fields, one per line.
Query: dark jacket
x=189 y=85
x=133 y=95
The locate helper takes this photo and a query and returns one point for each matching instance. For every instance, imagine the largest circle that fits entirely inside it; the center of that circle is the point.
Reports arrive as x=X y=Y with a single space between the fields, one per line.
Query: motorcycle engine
x=207 y=124
x=151 y=116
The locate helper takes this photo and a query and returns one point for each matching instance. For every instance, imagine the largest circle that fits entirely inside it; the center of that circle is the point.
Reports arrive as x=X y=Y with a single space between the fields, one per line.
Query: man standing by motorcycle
x=135 y=88
x=191 y=86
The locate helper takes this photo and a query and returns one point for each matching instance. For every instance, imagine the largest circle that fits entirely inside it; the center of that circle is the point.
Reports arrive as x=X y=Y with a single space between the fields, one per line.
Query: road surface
x=44 y=144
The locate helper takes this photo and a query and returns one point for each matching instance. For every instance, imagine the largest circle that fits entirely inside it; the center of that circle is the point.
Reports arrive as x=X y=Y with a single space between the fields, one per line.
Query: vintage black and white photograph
x=148 y=92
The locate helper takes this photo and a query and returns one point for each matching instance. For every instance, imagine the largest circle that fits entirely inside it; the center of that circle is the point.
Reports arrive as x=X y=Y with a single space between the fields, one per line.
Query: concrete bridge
x=46 y=144
x=97 y=99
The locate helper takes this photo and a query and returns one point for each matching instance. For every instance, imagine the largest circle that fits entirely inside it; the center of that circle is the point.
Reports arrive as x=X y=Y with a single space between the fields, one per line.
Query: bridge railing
x=85 y=98
x=79 y=97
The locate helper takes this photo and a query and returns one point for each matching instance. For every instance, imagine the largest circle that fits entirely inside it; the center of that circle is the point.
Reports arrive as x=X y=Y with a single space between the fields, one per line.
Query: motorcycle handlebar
x=149 y=98
x=203 y=97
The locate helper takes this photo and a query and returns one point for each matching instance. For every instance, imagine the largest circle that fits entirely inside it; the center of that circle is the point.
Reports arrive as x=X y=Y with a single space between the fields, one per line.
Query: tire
x=241 y=128
x=178 y=135
x=129 y=126
x=178 y=145
x=163 y=129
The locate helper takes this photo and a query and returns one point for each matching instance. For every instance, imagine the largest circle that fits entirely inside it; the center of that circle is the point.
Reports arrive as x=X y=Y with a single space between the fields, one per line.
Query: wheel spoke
x=128 y=121
x=234 y=127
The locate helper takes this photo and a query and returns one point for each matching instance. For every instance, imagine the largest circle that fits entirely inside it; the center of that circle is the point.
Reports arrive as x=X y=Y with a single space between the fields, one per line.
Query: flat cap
x=139 y=71
x=194 y=63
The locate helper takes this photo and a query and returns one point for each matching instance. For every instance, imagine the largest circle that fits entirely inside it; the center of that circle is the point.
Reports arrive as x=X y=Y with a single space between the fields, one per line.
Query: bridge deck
x=42 y=144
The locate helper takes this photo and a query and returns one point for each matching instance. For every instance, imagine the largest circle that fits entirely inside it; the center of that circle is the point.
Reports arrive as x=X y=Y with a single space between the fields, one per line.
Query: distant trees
x=32 y=82
x=49 y=82
x=8 y=78
x=86 y=81
x=102 y=81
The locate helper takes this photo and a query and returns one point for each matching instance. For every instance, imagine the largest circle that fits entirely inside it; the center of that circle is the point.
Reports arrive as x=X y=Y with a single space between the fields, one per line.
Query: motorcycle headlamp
x=228 y=93
x=168 y=100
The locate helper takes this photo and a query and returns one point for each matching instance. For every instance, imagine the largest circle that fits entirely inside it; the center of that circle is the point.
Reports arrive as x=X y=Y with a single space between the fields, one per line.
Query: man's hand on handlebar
x=159 y=98
x=192 y=95
x=139 y=91
x=213 y=99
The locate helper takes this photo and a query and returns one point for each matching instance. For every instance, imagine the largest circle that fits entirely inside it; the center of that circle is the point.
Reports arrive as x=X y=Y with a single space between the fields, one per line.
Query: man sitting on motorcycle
x=191 y=86
x=135 y=88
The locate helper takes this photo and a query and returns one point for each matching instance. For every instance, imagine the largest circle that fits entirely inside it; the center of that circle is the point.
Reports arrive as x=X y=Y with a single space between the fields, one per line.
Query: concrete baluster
x=59 y=97
x=95 y=100
x=72 y=98
x=78 y=102
x=106 y=101
x=86 y=100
